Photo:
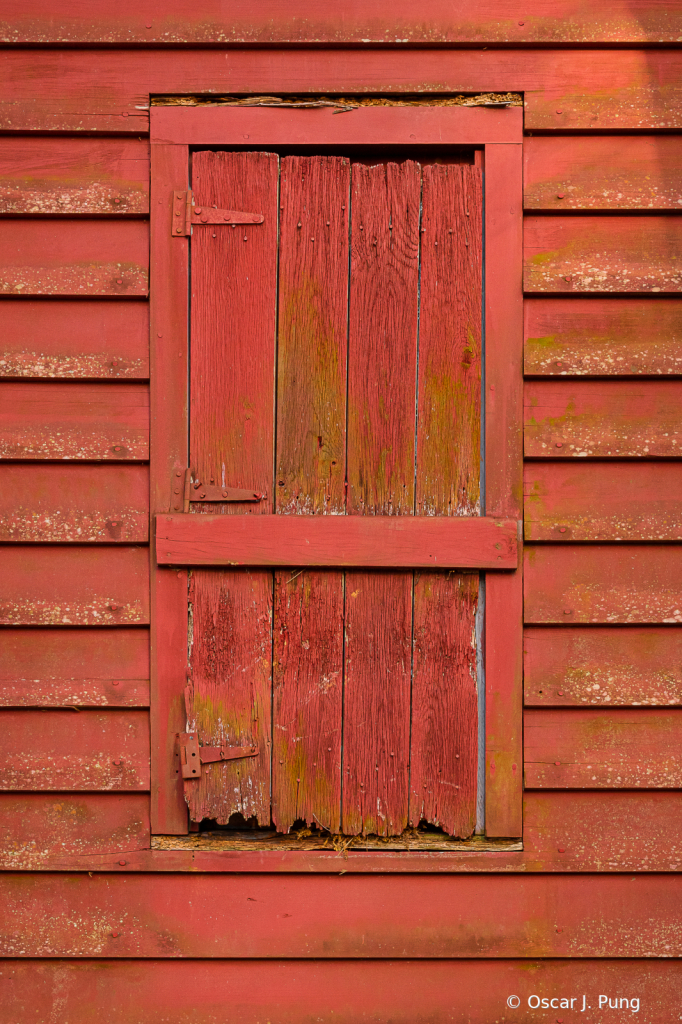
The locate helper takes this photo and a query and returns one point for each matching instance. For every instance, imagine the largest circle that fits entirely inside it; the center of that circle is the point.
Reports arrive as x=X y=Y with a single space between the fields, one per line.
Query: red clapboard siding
x=74 y=257
x=624 y=748
x=74 y=586
x=365 y=916
x=75 y=339
x=602 y=254
x=74 y=504
x=634 y=831
x=566 y=89
x=275 y=23
x=613 y=501
x=74 y=421
x=71 y=749
x=399 y=991
x=613 y=173
x=39 y=828
x=52 y=667
x=570 y=419
x=618 y=584
x=68 y=176
x=603 y=337
x=602 y=665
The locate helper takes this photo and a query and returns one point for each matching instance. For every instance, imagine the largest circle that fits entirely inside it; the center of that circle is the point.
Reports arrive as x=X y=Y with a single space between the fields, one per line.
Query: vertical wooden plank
x=444 y=734
x=504 y=484
x=168 y=443
x=311 y=462
x=234 y=294
x=382 y=368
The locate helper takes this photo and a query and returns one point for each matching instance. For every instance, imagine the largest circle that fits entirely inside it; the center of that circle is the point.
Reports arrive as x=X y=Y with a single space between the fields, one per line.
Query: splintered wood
x=358 y=687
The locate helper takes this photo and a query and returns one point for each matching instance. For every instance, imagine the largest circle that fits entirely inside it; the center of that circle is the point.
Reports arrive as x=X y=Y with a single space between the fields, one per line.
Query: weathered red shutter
x=358 y=688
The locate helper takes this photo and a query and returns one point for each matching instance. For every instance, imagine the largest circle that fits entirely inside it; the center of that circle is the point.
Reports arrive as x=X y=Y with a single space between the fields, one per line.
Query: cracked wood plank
x=592 y=419
x=610 y=173
x=602 y=254
x=603 y=666
x=74 y=504
x=68 y=749
x=602 y=337
x=42 y=176
x=618 y=748
x=83 y=339
x=74 y=421
x=74 y=667
x=603 y=583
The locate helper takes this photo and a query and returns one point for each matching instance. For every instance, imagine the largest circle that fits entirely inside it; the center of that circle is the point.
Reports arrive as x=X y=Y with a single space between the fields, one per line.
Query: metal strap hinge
x=186 y=213
x=185 y=489
x=192 y=756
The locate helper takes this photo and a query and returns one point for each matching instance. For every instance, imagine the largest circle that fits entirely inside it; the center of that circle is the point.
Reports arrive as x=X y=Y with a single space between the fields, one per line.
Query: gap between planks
x=243 y=841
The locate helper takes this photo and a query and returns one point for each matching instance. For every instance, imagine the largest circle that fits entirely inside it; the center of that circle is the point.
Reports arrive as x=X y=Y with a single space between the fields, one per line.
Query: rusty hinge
x=189 y=489
x=192 y=756
x=185 y=214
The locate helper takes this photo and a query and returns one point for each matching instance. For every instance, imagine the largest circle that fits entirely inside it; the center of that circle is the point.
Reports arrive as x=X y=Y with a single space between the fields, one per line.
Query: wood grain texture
x=624 y=501
x=74 y=421
x=74 y=586
x=603 y=583
x=590 y=419
x=87 y=176
x=84 y=339
x=592 y=748
x=74 y=258
x=602 y=254
x=366 y=916
x=611 y=173
x=602 y=666
x=395 y=990
x=275 y=23
x=41 y=828
x=81 y=667
x=74 y=504
x=75 y=750
x=603 y=337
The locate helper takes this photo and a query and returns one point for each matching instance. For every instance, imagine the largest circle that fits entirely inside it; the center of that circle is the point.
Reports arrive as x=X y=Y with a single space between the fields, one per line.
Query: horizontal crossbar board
x=380 y=542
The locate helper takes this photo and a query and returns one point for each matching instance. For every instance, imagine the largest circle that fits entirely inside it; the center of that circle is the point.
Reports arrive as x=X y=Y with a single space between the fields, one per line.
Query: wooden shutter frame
x=497 y=136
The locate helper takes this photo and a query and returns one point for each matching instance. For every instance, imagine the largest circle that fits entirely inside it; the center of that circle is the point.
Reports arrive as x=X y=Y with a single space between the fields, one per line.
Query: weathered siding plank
x=69 y=749
x=589 y=419
x=624 y=748
x=74 y=421
x=74 y=586
x=613 y=501
x=77 y=667
x=75 y=339
x=603 y=337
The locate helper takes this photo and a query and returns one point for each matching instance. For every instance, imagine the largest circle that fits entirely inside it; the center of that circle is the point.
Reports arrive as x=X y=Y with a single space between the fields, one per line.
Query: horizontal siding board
x=108 y=91
x=82 y=667
x=612 y=173
x=602 y=254
x=74 y=257
x=602 y=665
x=602 y=337
x=603 y=583
x=365 y=916
x=67 y=749
x=41 y=827
x=624 y=501
x=56 y=421
x=74 y=586
x=74 y=504
x=75 y=339
x=74 y=176
x=594 y=748
x=610 y=419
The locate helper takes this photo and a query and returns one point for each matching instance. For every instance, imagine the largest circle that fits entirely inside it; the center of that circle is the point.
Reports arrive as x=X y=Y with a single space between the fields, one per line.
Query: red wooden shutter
x=335 y=368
